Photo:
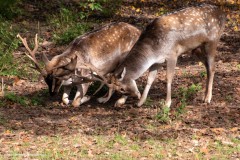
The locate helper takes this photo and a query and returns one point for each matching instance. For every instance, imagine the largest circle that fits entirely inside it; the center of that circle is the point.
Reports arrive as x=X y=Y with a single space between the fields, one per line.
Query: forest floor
x=35 y=126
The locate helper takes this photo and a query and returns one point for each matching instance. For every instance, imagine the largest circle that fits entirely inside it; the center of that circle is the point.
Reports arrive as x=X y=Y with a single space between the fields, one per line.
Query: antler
x=95 y=77
x=32 y=53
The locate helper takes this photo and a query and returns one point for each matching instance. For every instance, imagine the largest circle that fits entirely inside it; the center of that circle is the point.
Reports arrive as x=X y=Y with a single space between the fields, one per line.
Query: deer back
x=171 y=35
x=103 y=48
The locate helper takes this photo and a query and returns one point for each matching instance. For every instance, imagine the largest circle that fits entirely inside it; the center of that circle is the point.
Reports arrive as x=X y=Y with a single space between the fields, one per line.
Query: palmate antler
x=32 y=53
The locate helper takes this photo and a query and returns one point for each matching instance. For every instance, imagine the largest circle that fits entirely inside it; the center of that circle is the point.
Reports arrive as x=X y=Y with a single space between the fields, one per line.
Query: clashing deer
x=165 y=39
x=100 y=50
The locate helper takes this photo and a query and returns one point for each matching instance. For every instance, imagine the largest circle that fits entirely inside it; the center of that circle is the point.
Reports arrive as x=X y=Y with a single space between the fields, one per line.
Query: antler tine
x=32 y=52
x=94 y=77
x=36 y=46
x=94 y=69
x=24 y=41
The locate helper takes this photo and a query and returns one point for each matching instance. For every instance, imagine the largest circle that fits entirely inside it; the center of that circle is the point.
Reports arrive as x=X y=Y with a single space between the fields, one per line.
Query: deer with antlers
x=196 y=29
x=88 y=58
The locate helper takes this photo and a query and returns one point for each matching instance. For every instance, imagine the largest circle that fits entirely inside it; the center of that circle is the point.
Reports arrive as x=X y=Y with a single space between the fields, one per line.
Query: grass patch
x=9 y=96
x=185 y=94
x=148 y=101
x=21 y=100
x=163 y=115
x=8 y=43
x=66 y=26
x=203 y=74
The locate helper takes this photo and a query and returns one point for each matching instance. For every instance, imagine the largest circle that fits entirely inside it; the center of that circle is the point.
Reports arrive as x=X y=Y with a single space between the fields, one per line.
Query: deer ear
x=122 y=74
x=45 y=59
x=72 y=65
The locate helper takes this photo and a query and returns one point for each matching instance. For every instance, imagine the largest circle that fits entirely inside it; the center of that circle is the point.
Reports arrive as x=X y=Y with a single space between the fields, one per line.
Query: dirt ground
x=203 y=131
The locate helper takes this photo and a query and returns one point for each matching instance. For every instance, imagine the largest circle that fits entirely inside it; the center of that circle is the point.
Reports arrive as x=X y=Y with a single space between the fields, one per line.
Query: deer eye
x=122 y=90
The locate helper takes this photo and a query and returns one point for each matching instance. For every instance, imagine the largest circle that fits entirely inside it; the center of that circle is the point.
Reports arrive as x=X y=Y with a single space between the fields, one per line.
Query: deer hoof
x=207 y=100
x=120 y=102
x=102 y=100
x=139 y=104
x=76 y=103
x=66 y=101
x=168 y=104
x=85 y=99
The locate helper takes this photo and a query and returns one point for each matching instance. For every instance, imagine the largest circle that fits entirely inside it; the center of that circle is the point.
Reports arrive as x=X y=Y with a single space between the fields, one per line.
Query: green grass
x=16 y=98
x=163 y=115
x=148 y=101
x=8 y=43
x=21 y=100
x=67 y=25
x=185 y=94
x=203 y=74
x=81 y=146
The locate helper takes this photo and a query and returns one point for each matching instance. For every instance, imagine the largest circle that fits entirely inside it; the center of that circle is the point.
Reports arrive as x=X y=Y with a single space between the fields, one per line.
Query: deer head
x=56 y=71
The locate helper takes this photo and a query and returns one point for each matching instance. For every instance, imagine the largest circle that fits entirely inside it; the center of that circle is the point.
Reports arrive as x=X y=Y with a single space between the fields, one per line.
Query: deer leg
x=66 y=93
x=210 y=50
x=171 y=64
x=79 y=96
x=151 y=77
x=85 y=88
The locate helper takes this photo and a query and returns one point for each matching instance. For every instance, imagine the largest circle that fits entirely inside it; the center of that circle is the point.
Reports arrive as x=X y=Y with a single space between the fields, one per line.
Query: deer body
x=166 y=38
x=102 y=49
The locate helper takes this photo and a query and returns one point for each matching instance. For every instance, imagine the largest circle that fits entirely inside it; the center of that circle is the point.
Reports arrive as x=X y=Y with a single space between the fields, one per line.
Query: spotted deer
x=197 y=29
x=102 y=50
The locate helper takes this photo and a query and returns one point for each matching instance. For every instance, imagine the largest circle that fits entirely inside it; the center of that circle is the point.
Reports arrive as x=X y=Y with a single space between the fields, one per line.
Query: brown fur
x=104 y=49
x=166 y=38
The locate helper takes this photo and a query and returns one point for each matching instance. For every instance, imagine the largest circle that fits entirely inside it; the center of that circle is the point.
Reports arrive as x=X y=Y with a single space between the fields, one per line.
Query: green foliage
x=184 y=94
x=8 y=8
x=92 y=5
x=70 y=22
x=163 y=115
x=148 y=101
x=8 y=43
x=66 y=26
x=22 y=100
x=105 y=8
x=70 y=33
x=36 y=101
x=203 y=74
x=120 y=139
x=188 y=92
x=16 y=98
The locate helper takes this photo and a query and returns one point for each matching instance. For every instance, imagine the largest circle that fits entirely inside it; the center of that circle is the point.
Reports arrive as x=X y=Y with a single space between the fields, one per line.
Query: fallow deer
x=165 y=39
x=102 y=50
